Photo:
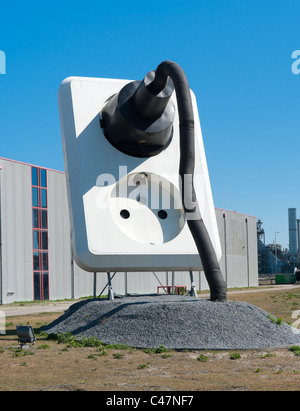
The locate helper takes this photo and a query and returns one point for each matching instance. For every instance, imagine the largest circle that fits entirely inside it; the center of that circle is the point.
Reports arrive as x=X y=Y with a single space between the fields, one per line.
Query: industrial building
x=36 y=261
x=273 y=259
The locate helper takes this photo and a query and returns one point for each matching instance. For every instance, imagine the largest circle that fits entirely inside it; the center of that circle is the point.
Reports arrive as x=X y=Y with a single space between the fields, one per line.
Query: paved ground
x=14 y=309
x=17 y=309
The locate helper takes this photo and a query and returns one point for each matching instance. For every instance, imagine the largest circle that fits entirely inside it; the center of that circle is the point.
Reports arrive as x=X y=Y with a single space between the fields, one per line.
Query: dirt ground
x=51 y=366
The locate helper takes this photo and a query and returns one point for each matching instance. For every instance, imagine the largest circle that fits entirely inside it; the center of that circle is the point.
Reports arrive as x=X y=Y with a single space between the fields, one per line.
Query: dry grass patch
x=60 y=366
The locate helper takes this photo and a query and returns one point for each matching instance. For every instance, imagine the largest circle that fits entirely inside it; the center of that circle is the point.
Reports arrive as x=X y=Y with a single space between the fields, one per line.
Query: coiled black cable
x=218 y=288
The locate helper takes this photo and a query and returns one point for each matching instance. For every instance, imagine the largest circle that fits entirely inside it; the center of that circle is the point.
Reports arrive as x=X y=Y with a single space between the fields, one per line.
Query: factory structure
x=36 y=260
x=275 y=260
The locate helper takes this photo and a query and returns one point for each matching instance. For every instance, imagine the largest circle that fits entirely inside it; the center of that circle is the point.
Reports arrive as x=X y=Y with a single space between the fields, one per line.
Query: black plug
x=138 y=120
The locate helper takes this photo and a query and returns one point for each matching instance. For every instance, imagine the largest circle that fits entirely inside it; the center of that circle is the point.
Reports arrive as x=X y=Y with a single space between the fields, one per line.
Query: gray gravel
x=176 y=322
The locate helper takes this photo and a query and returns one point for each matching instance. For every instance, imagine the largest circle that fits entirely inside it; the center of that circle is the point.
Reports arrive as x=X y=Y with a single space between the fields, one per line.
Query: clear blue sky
x=236 y=55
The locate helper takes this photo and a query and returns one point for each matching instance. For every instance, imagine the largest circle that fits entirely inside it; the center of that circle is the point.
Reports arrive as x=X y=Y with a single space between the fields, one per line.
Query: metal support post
x=192 y=292
x=165 y=289
x=95 y=285
x=110 y=290
x=173 y=282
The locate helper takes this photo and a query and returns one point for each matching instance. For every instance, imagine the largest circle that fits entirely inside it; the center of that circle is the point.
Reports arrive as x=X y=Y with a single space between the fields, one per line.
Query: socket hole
x=162 y=214
x=125 y=214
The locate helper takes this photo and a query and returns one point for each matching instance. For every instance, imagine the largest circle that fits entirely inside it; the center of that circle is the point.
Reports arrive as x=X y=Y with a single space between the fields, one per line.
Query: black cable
x=218 y=288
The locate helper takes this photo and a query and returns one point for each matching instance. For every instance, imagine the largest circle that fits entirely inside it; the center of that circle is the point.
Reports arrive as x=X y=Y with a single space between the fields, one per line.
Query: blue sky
x=236 y=55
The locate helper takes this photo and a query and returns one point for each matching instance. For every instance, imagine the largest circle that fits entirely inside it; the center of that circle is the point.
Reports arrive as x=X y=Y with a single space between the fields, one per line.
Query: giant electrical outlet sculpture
x=138 y=185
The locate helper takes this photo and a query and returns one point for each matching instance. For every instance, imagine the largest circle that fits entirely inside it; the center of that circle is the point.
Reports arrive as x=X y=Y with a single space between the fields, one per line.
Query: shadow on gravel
x=81 y=304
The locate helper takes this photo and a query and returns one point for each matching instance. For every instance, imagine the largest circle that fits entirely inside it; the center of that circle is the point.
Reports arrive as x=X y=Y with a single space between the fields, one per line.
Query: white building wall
x=66 y=280
x=16 y=232
x=58 y=237
x=238 y=237
x=146 y=282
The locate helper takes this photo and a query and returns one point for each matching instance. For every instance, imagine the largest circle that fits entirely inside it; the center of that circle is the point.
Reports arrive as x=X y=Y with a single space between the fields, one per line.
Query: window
x=35 y=218
x=35 y=201
x=40 y=234
x=34 y=176
x=39 y=218
x=43 y=198
x=43 y=178
x=44 y=219
x=36 y=261
x=45 y=261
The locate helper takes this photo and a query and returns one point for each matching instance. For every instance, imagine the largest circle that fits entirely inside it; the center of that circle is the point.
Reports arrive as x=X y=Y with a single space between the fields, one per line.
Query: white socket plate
x=116 y=224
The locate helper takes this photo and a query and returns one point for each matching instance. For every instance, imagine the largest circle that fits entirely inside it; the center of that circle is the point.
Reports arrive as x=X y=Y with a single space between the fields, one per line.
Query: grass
x=202 y=358
x=275 y=320
x=43 y=347
x=72 y=341
x=159 y=350
x=19 y=352
x=268 y=355
x=235 y=356
x=279 y=303
x=118 y=355
x=295 y=349
x=64 y=362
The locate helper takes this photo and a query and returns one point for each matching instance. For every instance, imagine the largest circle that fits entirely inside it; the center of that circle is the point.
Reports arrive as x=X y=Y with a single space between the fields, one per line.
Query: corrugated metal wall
x=238 y=237
x=67 y=280
x=60 y=280
x=16 y=232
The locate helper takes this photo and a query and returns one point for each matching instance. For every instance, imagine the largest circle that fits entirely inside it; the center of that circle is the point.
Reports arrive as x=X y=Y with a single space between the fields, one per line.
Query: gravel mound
x=176 y=322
